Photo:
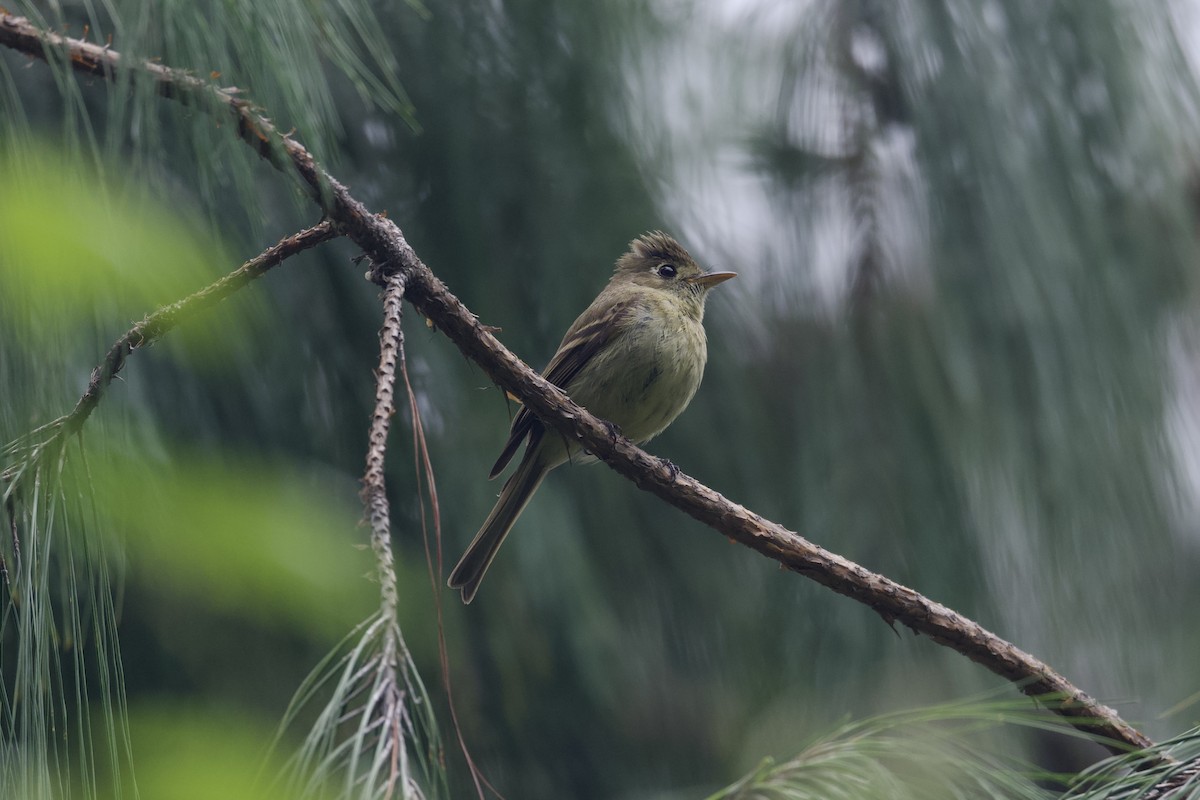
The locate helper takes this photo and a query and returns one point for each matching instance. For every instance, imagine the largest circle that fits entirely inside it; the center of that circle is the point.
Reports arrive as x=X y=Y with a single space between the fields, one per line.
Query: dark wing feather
x=592 y=331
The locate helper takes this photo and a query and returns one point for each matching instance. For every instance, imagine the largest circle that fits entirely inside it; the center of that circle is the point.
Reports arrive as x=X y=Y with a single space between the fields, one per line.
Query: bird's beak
x=711 y=279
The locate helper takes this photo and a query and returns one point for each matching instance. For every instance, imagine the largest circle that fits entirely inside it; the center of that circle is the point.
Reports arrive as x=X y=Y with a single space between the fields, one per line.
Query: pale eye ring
x=666 y=270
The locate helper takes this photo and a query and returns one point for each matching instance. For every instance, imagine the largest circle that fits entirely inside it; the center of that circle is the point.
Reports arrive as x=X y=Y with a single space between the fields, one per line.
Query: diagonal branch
x=385 y=244
x=166 y=318
x=153 y=327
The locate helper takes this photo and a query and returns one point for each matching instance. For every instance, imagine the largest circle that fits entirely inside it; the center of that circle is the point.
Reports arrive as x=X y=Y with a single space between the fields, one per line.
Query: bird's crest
x=656 y=247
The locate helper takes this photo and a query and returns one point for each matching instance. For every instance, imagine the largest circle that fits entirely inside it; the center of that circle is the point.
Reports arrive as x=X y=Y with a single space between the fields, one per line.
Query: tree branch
x=164 y=319
x=152 y=328
x=374 y=496
x=374 y=491
x=385 y=244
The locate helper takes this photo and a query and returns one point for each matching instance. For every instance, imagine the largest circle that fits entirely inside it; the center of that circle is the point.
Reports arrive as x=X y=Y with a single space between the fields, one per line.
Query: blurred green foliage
x=240 y=536
x=198 y=753
x=99 y=256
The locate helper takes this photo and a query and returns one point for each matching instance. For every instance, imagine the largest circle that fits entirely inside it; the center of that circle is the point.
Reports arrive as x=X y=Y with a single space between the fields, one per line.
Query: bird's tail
x=513 y=499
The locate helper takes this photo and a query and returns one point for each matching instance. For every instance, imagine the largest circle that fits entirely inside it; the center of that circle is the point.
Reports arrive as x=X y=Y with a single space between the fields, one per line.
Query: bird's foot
x=670 y=467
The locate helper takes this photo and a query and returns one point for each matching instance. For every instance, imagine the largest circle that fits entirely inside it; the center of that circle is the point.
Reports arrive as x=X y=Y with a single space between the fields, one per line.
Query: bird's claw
x=670 y=467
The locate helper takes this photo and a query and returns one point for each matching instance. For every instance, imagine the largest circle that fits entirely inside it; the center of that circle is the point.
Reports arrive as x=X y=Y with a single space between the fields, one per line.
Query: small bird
x=635 y=357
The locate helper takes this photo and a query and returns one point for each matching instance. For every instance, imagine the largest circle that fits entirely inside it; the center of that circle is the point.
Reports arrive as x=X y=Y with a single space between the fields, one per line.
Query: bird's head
x=658 y=261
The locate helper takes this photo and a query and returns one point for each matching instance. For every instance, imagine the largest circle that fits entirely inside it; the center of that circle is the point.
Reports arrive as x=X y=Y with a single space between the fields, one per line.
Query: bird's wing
x=584 y=339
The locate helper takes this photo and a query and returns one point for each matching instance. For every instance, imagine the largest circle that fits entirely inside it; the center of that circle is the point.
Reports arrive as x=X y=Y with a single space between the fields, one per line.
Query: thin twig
x=374 y=491
x=164 y=319
x=29 y=449
x=385 y=244
x=374 y=496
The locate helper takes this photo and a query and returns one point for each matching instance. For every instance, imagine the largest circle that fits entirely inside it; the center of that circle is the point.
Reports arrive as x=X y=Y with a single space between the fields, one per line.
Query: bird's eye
x=666 y=270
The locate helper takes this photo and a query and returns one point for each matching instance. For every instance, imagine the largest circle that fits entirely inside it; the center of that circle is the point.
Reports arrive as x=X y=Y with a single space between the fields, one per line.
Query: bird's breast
x=647 y=376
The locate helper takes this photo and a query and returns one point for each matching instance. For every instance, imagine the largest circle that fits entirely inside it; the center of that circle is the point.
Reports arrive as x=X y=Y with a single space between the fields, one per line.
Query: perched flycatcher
x=634 y=357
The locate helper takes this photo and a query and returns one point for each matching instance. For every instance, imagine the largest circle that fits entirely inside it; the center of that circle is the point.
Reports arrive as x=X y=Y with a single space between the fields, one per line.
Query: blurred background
x=962 y=351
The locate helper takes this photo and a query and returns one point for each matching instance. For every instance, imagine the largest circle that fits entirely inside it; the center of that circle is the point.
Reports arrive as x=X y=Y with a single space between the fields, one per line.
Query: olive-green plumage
x=635 y=357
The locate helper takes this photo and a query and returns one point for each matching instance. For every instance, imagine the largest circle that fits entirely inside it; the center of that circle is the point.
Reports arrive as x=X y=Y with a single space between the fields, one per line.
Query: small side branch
x=29 y=449
x=163 y=320
x=376 y=731
x=391 y=705
x=374 y=491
